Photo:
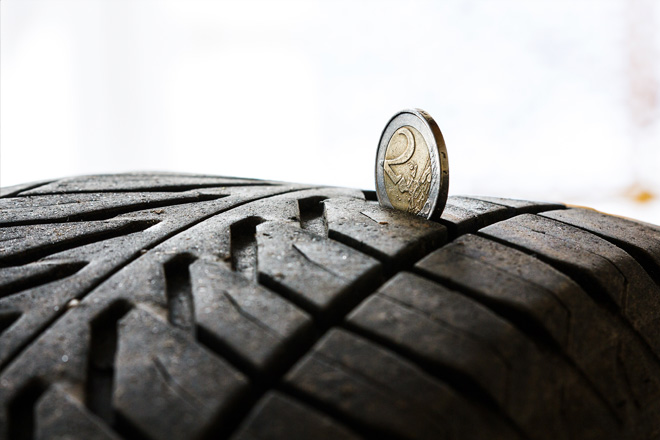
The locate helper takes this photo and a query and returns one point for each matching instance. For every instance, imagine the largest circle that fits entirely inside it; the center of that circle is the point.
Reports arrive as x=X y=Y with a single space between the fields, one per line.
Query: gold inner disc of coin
x=407 y=170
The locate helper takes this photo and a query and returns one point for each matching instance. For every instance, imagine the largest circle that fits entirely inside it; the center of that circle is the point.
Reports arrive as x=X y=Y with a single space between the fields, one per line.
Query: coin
x=412 y=169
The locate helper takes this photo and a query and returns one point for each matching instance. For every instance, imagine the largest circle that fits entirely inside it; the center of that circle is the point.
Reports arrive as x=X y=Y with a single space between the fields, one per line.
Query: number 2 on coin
x=402 y=158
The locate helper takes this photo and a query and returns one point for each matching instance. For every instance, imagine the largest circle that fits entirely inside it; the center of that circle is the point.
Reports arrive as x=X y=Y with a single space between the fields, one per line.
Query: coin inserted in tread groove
x=412 y=169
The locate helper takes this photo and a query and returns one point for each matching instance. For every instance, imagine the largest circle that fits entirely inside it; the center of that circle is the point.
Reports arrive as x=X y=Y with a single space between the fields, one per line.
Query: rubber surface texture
x=167 y=306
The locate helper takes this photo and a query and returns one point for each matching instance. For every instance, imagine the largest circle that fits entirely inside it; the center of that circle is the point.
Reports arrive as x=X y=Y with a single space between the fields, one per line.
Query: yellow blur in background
x=553 y=100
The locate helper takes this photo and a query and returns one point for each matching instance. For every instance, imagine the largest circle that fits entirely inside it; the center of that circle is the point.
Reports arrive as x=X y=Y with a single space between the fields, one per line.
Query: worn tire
x=179 y=306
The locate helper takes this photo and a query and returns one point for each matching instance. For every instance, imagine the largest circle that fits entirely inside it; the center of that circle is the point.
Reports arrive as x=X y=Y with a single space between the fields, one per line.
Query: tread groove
x=593 y=289
x=29 y=340
x=558 y=299
x=101 y=362
x=458 y=381
x=370 y=195
x=641 y=256
x=106 y=213
x=448 y=325
x=478 y=220
x=164 y=188
x=531 y=209
x=243 y=245
x=324 y=325
x=312 y=215
x=128 y=430
x=338 y=312
x=364 y=248
x=17 y=192
x=116 y=269
x=30 y=255
x=7 y=318
x=55 y=273
x=528 y=326
x=178 y=288
x=589 y=285
x=357 y=426
x=263 y=384
x=21 y=410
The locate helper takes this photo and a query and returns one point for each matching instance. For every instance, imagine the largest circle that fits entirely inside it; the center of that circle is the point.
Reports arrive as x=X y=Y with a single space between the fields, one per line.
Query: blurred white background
x=555 y=100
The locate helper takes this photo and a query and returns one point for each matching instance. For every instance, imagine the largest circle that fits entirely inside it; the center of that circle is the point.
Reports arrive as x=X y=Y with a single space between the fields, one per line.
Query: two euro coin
x=412 y=169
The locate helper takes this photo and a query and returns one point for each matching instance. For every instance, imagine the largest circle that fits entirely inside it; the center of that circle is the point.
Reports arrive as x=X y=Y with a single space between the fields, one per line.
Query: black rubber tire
x=179 y=306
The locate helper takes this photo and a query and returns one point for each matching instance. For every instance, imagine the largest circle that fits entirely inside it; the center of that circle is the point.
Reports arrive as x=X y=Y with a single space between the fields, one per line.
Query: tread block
x=16 y=278
x=320 y=274
x=21 y=244
x=522 y=206
x=158 y=364
x=278 y=417
x=10 y=191
x=254 y=322
x=75 y=207
x=465 y=214
x=107 y=246
x=464 y=341
x=232 y=234
x=59 y=416
x=607 y=272
x=389 y=235
x=386 y=394
x=480 y=265
x=588 y=334
x=639 y=239
x=521 y=374
x=430 y=337
x=139 y=182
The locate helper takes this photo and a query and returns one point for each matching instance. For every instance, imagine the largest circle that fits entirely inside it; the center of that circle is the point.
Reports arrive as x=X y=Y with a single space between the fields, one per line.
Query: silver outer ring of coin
x=425 y=124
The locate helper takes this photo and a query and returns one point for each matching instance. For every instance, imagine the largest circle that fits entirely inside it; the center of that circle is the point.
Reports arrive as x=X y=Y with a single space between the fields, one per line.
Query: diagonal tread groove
x=46 y=249
x=453 y=378
x=528 y=326
x=16 y=353
x=164 y=188
x=17 y=192
x=54 y=273
x=357 y=426
x=639 y=255
x=8 y=318
x=324 y=325
x=593 y=289
x=106 y=213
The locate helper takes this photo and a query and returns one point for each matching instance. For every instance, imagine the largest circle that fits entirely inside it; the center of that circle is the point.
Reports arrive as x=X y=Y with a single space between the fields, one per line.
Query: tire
x=167 y=306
